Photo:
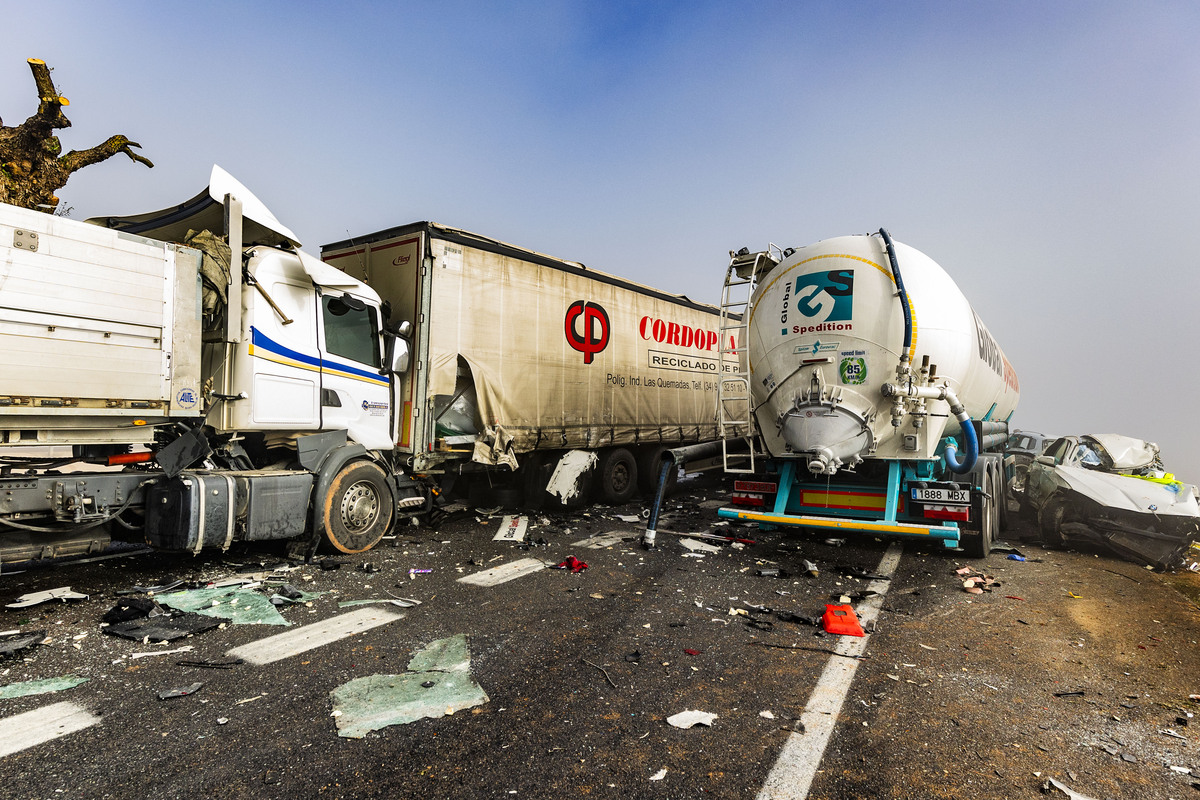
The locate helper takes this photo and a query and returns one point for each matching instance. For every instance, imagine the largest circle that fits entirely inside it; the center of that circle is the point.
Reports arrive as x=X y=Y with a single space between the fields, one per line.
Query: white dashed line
x=792 y=775
x=504 y=572
x=285 y=645
x=42 y=725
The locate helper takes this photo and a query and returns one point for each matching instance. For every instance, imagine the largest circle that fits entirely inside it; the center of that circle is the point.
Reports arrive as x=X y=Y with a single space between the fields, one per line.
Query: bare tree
x=32 y=167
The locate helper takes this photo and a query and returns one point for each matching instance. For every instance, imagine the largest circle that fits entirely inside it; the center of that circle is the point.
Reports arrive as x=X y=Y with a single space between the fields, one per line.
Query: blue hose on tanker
x=972 y=442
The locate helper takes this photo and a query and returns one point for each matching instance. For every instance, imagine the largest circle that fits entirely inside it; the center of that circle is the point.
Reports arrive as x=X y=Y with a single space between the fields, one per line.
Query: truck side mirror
x=1047 y=460
x=404 y=329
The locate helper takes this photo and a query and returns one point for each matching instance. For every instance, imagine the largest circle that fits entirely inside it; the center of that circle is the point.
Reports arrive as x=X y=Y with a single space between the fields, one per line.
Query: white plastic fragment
x=658 y=776
x=1071 y=793
x=688 y=719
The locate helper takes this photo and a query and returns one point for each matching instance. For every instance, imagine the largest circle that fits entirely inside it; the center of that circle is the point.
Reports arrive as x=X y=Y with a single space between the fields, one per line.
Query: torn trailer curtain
x=531 y=352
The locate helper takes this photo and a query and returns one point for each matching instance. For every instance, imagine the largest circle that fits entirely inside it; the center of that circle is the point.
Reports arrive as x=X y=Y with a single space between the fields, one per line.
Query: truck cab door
x=355 y=396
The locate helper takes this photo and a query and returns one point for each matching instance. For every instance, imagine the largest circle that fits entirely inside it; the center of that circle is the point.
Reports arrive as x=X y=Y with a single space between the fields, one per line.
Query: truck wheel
x=649 y=463
x=618 y=475
x=978 y=543
x=1002 y=515
x=358 y=508
x=1050 y=520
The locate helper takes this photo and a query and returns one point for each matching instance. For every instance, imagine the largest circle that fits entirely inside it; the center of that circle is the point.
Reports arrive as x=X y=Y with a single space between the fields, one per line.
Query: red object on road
x=572 y=563
x=842 y=620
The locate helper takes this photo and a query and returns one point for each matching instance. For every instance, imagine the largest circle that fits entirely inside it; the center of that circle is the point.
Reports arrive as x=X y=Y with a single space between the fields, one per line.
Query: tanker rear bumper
x=948 y=535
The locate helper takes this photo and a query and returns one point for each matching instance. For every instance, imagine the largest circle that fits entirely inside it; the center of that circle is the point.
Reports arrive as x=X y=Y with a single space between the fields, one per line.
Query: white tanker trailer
x=877 y=393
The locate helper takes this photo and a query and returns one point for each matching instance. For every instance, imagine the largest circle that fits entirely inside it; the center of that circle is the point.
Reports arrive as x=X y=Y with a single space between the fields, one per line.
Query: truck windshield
x=349 y=333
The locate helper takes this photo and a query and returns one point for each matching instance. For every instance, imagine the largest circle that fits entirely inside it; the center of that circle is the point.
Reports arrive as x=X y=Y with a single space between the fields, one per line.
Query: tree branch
x=77 y=159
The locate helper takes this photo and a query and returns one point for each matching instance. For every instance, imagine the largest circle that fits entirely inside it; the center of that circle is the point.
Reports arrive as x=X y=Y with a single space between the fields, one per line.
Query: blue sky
x=1047 y=155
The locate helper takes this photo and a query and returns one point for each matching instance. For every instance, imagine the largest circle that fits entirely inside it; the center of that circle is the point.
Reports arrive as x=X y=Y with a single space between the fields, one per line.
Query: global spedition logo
x=820 y=298
x=590 y=334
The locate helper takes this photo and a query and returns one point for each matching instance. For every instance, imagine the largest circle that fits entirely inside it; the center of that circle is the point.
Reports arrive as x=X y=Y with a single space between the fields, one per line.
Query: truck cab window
x=350 y=333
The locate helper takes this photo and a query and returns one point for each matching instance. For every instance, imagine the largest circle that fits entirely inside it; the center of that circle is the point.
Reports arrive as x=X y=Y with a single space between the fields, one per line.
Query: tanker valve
x=823 y=462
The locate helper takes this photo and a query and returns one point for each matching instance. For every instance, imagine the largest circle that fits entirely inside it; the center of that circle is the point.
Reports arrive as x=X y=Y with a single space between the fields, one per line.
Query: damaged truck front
x=168 y=393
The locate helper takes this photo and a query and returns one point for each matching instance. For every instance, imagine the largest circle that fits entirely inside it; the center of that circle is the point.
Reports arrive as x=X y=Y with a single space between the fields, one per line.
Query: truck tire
x=1002 y=515
x=649 y=463
x=618 y=475
x=358 y=508
x=978 y=542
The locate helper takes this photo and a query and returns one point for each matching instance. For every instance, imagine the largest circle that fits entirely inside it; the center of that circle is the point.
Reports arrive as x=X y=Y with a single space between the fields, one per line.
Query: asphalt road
x=958 y=695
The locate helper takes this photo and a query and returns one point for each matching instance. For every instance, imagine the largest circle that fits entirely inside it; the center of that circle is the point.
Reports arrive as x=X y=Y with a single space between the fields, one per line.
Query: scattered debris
x=239 y=605
x=179 y=691
x=13 y=643
x=1077 y=693
x=377 y=701
x=44 y=686
x=772 y=572
x=976 y=582
x=163 y=628
x=766 y=715
x=185 y=649
x=209 y=663
x=842 y=620
x=572 y=563
x=1052 y=784
x=565 y=481
x=701 y=547
x=512 y=529
x=835 y=542
x=811 y=569
x=688 y=719
x=1173 y=734
x=602 y=669
x=63 y=593
x=399 y=602
x=329 y=565
x=1015 y=557
x=658 y=776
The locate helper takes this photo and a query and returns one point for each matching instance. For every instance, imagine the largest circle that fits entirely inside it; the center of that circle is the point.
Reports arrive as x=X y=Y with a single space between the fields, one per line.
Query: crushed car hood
x=1130 y=493
x=1125 y=452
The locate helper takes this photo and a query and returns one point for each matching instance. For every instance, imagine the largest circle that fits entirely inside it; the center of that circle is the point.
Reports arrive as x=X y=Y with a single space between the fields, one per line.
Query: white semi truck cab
x=242 y=398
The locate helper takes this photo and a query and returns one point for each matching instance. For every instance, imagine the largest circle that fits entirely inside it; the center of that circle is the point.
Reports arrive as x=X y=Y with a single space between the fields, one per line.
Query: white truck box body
x=96 y=327
x=561 y=356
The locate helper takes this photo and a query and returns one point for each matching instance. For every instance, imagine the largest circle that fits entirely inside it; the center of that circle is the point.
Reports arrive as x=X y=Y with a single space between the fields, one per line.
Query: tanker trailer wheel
x=358 y=509
x=649 y=467
x=978 y=543
x=1002 y=515
x=618 y=475
x=1050 y=519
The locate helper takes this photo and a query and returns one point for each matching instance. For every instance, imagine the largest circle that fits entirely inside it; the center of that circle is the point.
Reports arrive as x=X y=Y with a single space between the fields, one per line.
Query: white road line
x=42 y=725
x=504 y=572
x=285 y=645
x=792 y=775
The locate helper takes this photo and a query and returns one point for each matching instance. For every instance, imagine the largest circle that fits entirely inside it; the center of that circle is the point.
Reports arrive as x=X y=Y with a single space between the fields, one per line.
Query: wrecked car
x=1020 y=450
x=1112 y=490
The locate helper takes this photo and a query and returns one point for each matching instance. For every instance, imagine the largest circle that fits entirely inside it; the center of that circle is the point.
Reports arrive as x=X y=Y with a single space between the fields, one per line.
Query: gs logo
x=826 y=296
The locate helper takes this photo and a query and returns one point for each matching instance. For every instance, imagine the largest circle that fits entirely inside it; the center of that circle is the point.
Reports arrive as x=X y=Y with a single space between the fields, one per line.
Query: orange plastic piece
x=842 y=620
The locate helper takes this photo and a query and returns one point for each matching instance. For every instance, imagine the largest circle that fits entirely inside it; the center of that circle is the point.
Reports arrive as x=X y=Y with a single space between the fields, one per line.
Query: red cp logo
x=593 y=337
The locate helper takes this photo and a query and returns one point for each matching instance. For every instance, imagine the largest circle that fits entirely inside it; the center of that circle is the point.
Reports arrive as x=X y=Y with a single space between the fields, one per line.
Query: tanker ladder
x=735 y=411
x=844 y=507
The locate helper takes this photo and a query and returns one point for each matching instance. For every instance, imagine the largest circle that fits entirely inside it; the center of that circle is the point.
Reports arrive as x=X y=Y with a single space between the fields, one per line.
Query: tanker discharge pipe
x=957 y=409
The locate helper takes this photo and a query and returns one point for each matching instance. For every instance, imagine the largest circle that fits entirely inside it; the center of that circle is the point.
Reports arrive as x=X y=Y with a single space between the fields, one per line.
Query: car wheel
x=1050 y=520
